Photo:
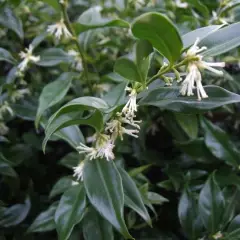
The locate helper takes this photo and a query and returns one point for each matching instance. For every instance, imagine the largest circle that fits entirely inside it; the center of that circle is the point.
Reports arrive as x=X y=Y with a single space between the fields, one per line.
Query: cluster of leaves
x=178 y=180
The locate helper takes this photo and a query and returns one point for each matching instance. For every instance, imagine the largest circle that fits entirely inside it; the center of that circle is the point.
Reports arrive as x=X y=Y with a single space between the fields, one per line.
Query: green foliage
x=119 y=119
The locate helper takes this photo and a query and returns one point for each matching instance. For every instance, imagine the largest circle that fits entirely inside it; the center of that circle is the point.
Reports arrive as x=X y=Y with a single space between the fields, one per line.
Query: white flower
x=78 y=171
x=116 y=129
x=106 y=150
x=61 y=1
x=90 y=152
x=19 y=94
x=27 y=57
x=131 y=106
x=218 y=235
x=59 y=29
x=103 y=148
x=77 y=64
x=180 y=4
x=194 y=75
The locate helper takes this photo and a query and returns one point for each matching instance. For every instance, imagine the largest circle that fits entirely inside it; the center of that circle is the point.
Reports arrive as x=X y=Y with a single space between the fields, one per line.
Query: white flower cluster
x=104 y=143
x=59 y=29
x=194 y=75
x=27 y=57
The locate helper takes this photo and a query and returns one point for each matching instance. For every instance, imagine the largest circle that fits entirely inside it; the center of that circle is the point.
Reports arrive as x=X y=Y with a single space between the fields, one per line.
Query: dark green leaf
x=116 y=96
x=53 y=93
x=70 y=211
x=160 y=32
x=9 y=20
x=71 y=134
x=104 y=188
x=44 y=221
x=190 y=37
x=169 y=98
x=15 y=214
x=189 y=123
x=61 y=186
x=95 y=227
x=71 y=114
x=188 y=215
x=70 y=160
x=211 y=205
x=92 y=18
x=133 y=197
x=6 y=56
x=222 y=41
x=52 y=57
x=127 y=69
x=143 y=50
x=218 y=142
x=197 y=149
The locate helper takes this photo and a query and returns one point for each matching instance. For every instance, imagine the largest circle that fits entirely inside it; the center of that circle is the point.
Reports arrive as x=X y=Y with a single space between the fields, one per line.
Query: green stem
x=75 y=40
x=167 y=69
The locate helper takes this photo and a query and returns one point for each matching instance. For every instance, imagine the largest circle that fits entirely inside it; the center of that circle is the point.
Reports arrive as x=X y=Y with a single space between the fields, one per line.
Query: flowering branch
x=75 y=39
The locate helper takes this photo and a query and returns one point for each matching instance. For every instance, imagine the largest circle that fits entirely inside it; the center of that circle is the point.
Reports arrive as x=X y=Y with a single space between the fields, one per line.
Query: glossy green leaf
x=116 y=96
x=61 y=186
x=70 y=134
x=188 y=215
x=220 y=145
x=155 y=198
x=52 y=57
x=95 y=120
x=169 y=98
x=44 y=221
x=70 y=211
x=53 y=93
x=190 y=37
x=95 y=227
x=25 y=110
x=6 y=56
x=134 y=172
x=104 y=189
x=9 y=20
x=133 y=197
x=197 y=149
x=222 y=40
x=15 y=214
x=160 y=32
x=189 y=123
x=127 y=69
x=211 y=205
x=143 y=52
x=71 y=114
x=91 y=19
x=70 y=160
